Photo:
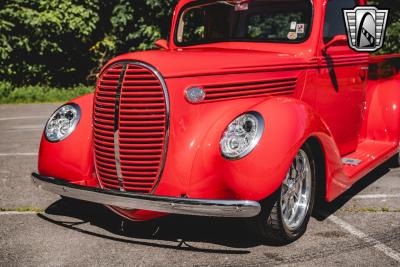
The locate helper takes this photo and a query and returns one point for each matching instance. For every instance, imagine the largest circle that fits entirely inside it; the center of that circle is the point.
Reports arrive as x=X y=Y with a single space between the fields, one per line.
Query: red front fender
x=288 y=125
x=72 y=159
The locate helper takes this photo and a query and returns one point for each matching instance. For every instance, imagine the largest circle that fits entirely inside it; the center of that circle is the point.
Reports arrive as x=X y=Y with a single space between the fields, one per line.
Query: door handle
x=363 y=73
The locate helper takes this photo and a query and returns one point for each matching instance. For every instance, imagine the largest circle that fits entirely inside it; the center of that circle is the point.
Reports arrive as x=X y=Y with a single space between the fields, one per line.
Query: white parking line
x=22 y=118
x=24 y=127
x=369 y=240
x=22 y=130
x=376 y=196
x=18 y=154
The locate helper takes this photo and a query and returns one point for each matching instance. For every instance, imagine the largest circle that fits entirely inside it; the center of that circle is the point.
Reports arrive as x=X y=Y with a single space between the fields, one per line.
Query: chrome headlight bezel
x=73 y=122
x=256 y=134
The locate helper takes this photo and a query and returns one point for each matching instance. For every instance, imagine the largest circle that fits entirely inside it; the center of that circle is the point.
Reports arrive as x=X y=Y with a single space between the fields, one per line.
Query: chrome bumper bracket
x=185 y=206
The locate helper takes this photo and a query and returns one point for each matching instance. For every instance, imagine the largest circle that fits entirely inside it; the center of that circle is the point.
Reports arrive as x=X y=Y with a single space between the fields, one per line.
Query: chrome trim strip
x=118 y=98
x=118 y=161
x=116 y=129
x=351 y=161
x=186 y=206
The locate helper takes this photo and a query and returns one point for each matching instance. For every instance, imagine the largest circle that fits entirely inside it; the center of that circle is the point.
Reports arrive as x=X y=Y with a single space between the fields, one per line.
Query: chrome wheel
x=296 y=192
x=285 y=214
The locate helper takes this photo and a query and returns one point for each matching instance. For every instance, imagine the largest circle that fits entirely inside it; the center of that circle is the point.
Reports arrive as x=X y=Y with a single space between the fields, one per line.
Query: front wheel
x=285 y=216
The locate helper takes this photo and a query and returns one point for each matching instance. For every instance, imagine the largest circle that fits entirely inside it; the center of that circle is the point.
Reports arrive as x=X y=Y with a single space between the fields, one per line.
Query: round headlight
x=62 y=123
x=242 y=135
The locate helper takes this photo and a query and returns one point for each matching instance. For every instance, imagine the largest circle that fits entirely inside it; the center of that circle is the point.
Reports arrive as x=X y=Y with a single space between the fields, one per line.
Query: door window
x=334 y=21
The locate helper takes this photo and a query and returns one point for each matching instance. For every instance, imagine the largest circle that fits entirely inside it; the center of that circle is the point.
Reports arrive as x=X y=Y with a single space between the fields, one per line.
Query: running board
x=369 y=155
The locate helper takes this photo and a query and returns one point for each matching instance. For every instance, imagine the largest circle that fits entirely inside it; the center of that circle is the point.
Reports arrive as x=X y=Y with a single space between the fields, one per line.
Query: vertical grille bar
x=117 y=157
x=116 y=130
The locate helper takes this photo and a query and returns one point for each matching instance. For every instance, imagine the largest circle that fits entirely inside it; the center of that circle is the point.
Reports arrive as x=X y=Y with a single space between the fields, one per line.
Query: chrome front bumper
x=186 y=206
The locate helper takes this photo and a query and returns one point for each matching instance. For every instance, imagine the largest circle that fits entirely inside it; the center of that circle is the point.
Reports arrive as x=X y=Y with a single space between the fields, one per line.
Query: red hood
x=214 y=61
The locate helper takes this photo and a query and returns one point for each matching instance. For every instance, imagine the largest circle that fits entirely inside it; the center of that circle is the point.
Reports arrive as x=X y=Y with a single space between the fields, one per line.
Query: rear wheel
x=285 y=216
x=395 y=161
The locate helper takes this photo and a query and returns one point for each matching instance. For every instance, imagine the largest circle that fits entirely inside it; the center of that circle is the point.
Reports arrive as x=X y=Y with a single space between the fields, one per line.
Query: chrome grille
x=130 y=127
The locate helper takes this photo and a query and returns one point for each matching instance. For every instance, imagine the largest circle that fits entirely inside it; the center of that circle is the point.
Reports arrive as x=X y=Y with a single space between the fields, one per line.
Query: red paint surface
x=289 y=84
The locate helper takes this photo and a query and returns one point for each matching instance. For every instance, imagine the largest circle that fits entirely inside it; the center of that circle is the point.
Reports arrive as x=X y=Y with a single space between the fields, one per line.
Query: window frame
x=178 y=28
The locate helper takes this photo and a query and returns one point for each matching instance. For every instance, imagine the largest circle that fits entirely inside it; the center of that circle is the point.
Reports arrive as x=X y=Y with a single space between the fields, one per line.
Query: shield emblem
x=366 y=27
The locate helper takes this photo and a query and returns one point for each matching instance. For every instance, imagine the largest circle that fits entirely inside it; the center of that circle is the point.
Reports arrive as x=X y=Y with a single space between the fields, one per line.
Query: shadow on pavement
x=229 y=233
x=328 y=209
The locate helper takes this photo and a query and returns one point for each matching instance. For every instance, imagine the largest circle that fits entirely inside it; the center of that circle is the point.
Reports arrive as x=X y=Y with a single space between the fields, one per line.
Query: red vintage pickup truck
x=253 y=109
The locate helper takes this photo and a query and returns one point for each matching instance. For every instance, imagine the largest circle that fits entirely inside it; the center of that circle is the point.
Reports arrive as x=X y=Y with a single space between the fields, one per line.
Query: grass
x=10 y=94
x=22 y=209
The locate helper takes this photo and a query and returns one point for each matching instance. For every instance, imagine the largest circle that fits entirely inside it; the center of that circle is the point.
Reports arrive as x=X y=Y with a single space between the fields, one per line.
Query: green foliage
x=65 y=42
x=45 y=40
x=39 y=94
x=392 y=40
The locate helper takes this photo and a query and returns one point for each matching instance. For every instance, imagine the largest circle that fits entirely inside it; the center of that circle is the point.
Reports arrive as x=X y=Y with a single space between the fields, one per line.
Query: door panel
x=342 y=80
x=341 y=97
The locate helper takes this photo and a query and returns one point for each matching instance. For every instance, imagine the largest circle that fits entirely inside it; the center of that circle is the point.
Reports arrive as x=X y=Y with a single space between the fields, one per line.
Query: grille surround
x=131 y=75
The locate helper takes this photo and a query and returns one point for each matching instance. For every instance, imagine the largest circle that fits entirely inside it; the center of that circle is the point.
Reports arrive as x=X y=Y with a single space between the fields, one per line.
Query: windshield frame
x=208 y=2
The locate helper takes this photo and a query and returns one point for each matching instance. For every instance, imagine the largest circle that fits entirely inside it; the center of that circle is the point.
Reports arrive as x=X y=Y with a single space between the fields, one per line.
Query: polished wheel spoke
x=284 y=207
x=304 y=173
x=295 y=192
x=296 y=196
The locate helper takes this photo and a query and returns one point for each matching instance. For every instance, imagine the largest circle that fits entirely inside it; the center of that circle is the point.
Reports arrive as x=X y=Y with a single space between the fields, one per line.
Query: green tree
x=128 y=26
x=45 y=40
x=392 y=40
x=63 y=42
x=59 y=42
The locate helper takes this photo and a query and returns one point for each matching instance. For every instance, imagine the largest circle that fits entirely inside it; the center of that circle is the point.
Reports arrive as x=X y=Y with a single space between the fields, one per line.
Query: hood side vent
x=276 y=87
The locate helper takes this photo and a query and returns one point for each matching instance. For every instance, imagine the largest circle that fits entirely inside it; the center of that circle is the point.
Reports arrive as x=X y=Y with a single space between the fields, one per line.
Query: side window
x=194 y=26
x=202 y=24
x=275 y=25
x=334 y=21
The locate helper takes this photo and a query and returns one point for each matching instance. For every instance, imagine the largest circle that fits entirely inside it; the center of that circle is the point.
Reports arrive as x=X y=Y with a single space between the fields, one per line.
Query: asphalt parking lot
x=37 y=228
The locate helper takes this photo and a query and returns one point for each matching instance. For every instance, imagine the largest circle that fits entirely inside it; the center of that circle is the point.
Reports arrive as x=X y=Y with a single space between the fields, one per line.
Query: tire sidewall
x=398 y=159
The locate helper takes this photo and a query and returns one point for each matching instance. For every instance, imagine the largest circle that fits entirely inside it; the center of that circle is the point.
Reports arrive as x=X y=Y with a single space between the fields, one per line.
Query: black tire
x=67 y=198
x=396 y=161
x=269 y=224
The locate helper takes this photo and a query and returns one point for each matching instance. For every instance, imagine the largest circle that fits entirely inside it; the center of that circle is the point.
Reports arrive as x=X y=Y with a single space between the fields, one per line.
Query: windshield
x=244 y=21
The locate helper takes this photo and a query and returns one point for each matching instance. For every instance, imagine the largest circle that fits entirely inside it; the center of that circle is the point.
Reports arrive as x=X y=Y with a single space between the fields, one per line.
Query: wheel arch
x=320 y=169
x=289 y=124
